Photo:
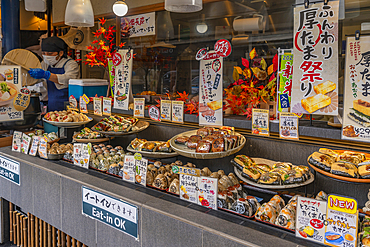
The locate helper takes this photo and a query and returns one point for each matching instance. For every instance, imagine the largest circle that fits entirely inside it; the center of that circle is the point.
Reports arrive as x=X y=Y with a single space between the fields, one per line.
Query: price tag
x=178 y=111
x=129 y=169
x=86 y=99
x=85 y=155
x=154 y=113
x=107 y=106
x=166 y=110
x=139 y=106
x=34 y=145
x=288 y=126
x=77 y=153
x=141 y=169
x=17 y=140
x=260 y=122
x=25 y=145
x=43 y=148
x=83 y=105
x=98 y=106
x=207 y=192
x=73 y=102
x=310 y=219
x=189 y=183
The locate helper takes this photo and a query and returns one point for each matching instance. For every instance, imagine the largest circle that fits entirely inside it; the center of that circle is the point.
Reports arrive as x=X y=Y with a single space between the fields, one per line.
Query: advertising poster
x=356 y=110
x=138 y=25
x=315 y=67
x=123 y=61
x=260 y=122
x=288 y=126
x=285 y=79
x=10 y=93
x=210 y=90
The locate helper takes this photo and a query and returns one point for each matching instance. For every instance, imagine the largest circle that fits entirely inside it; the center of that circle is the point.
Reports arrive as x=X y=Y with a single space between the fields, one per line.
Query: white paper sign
x=98 y=106
x=288 y=126
x=34 y=145
x=107 y=106
x=141 y=169
x=139 y=106
x=77 y=153
x=83 y=105
x=189 y=183
x=211 y=90
x=207 y=193
x=129 y=169
x=25 y=145
x=138 y=25
x=166 y=110
x=85 y=155
x=177 y=111
x=17 y=140
x=123 y=79
x=43 y=148
x=260 y=122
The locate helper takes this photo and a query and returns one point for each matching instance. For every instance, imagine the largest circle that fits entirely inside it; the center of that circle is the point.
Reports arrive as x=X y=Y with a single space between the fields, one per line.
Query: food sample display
x=106 y=158
x=116 y=124
x=87 y=133
x=57 y=148
x=364 y=233
x=150 y=146
x=66 y=116
x=51 y=137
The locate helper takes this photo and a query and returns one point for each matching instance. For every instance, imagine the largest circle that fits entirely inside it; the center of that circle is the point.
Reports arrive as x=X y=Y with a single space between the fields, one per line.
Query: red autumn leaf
x=183 y=96
x=245 y=62
x=272 y=77
x=275 y=61
x=102 y=21
x=122 y=44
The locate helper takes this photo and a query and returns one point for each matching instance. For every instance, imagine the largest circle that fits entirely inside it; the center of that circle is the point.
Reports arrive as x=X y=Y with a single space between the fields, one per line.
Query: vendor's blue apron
x=56 y=97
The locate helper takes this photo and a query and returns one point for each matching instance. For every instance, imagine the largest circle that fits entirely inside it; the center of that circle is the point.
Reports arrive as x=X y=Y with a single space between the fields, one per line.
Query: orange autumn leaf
x=240 y=71
x=247 y=73
x=235 y=74
x=183 y=96
x=270 y=69
x=102 y=21
x=253 y=53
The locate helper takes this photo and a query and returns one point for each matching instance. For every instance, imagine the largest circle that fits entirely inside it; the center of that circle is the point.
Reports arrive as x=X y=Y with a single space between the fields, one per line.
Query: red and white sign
x=117 y=59
x=154 y=113
x=223 y=47
x=201 y=54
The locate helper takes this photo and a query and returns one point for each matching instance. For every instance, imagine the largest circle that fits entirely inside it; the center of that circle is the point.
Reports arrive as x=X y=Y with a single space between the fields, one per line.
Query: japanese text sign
x=285 y=79
x=116 y=213
x=154 y=113
x=260 y=122
x=138 y=25
x=43 y=152
x=223 y=48
x=141 y=169
x=17 y=141
x=189 y=183
x=315 y=67
x=77 y=153
x=83 y=105
x=177 y=111
x=72 y=102
x=81 y=154
x=22 y=99
x=207 y=192
x=166 y=110
x=123 y=80
x=310 y=219
x=34 y=145
x=129 y=169
x=10 y=170
x=25 y=145
x=342 y=217
x=112 y=73
x=288 y=126
x=107 y=106
x=356 y=113
x=139 y=106
x=98 y=106
x=210 y=90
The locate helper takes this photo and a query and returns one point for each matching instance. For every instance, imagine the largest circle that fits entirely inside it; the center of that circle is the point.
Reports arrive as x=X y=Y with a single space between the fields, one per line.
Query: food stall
x=205 y=138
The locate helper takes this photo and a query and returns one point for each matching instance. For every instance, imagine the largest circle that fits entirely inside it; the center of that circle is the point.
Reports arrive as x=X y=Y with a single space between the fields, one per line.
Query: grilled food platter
x=208 y=143
x=86 y=135
x=151 y=149
x=68 y=124
x=343 y=165
x=119 y=126
x=268 y=174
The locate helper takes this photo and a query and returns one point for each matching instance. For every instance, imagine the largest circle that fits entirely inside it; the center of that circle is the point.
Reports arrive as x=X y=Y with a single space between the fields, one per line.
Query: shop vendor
x=57 y=69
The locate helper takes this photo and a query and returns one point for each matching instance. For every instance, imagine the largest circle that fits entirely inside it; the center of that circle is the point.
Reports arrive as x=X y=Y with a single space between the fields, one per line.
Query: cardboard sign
x=10 y=170
x=310 y=219
x=260 y=122
x=207 y=192
x=129 y=169
x=315 y=67
x=189 y=184
x=17 y=141
x=211 y=90
x=342 y=221
x=73 y=102
x=83 y=105
x=98 y=106
x=34 y=145
x=123 y=80
x=166 y=110
x=139 y=106
x=141 y=169
x=25 y=145
x=138 y=25
x=107 y=106
x=288 y=126
x=178 y=111
x=43 y=148
x=154 y=113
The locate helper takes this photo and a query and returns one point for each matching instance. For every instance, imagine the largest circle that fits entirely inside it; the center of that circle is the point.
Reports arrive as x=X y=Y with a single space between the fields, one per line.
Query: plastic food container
x=90 y=87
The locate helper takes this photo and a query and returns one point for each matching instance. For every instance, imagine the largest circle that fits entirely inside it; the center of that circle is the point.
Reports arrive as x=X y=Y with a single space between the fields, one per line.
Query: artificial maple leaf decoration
x=183 y=96
x=245 y=62
x=253 y=53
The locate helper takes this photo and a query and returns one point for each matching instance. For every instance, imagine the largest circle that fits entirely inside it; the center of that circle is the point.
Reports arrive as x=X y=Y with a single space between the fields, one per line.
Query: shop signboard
x=285 y=79
x=211 y=90
x=98 y=106
x=34 y=145
x=129 y=169
x=139 y=106
x=138 y=25
x=310 y=219
x=25 y=145
x=107 y=106
x=10 y=170
x=111 y=211
x=342 y=221
x=356 y=110
x=123 y=79
x=177 y=111
x=207 y=192
x=260 y=122
x=83 y=105
x=315 y=67
x=141 y=169
x=10 y=94
x=288 y=125
x=166 y=110
x=189 y=183
x=17 y=141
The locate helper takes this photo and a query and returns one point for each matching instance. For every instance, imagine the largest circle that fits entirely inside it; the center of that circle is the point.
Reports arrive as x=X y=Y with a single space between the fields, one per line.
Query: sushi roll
x=279 y=201
x=242 y=206
x=225 y=181
x=253 y=203
x=322 y=196
x=266 y=213
x=160 y=182
x=251 y=173
x=286 y=219
x=344 y=169
x=222 y=200
x=269 y=178
x=234 y=192
x=322 y=161
x=113 y=169
x=206 y=172
x=149 y=178
x=121 y=172
x=233 y=178
x=175 y=186
x=294 y=198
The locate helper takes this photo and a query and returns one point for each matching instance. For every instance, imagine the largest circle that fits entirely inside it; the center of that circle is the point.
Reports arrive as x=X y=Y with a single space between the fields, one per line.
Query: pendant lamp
x=79 y=13
x=120 y=8
x=183 y=6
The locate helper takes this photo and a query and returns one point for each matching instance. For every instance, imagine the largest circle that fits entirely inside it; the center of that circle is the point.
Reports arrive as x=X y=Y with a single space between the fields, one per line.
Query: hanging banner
x=10 y=94
x=139 y=106
x=285 y=79
x=178 y=111
x=315 y=67
x=123 y=78
x=166 y=110
x=210 y=90
x=138 y=25
x=112 y=73
x=260 y=122
x=288 y=125
x=356 y=112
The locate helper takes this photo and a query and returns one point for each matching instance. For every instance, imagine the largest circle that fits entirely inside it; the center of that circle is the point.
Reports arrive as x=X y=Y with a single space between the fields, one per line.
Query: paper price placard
x=77 y=153
x=207 y=192
x=141 y=168
x=178 y=111
x=166 y=110
x=288 y=126
x=260 y=122
x=107 y=106
x=25 y=145
x=154 y=113
x=34 y=145
x=139 y=106
x=189 y=183
x=85 y=155
x=129 y=169
x=73 y=102
x=98 y=106
x=83 y=105
x=43 y=148
x=17 y=140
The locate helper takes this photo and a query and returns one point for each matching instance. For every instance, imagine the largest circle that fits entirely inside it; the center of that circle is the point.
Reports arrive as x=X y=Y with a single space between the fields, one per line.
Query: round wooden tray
x=157 y=155
x=67 y=124
x=142 y=125
x=331 y=175
x=97 y=140
x=266 y=186
x=187 y=152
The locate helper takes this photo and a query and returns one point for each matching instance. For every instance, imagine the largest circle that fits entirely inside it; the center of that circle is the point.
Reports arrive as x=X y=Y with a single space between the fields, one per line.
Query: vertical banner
x=112 y=73
x=166 y=110
x=315 y=67
x=356 y=112
x=288 y=126
x=285 y=79
x=178 y=111
x=123 y=60
x=260 y=122
x=139 y=106
x=210 y=90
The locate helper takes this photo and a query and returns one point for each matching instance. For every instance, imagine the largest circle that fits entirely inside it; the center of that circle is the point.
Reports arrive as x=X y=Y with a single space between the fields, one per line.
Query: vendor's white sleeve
x=71 y=72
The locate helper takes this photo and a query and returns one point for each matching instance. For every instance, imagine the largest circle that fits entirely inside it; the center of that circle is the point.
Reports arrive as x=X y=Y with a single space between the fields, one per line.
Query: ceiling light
x=202 y=27
x=79 y=13
x=183 y=6
x=120 y=8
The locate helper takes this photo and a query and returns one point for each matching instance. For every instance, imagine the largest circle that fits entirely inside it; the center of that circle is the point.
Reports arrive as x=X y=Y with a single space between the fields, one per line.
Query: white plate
x=67 y=124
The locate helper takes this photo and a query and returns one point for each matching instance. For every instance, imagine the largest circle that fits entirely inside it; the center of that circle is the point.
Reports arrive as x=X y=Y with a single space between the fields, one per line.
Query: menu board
x=315 y=67
x=178 y=111
x=129 y=169
x=285 y=79
x=107 y=106
x=138 y=25
x=98 y=106
x=356 y=112
x=166 y=110
x=139 y=106
x=260 y=122
x=288 y=126
x=17 y=141
x=123 y=60
x=25 y=145
x=207 y=192
x=211 y=90
x=34 y=145
x=10 y=94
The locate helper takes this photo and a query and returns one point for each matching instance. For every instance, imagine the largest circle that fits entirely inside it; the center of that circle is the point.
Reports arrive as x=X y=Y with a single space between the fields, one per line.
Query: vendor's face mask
x=51 y=60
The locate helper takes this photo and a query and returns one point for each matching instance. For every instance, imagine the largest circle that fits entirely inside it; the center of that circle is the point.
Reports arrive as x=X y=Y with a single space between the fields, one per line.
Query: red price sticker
x=223 y=47
x=117 y=59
